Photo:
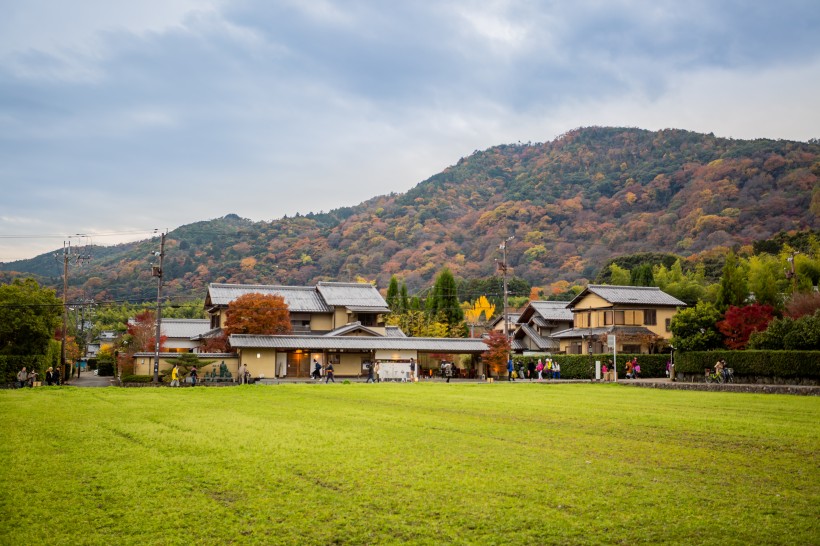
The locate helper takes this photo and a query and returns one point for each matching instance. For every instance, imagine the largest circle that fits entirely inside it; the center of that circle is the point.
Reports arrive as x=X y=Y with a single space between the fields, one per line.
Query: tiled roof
x=513 y=317
x=358 y=297
x=617 y=330
x=184 y=328
x=394 y=331
x=300 y=299
x=352 y=327
x=630 y=295
x=425 y=344
x=540 y=341
x=553 y=310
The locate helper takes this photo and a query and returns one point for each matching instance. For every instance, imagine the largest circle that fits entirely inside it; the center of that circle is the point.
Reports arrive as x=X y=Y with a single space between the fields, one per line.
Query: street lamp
x=792 y=274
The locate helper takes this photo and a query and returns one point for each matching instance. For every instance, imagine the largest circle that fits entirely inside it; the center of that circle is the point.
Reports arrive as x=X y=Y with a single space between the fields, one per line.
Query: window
x=669 y=325
x=607 y=318
x=619 y=317
x=649 y=317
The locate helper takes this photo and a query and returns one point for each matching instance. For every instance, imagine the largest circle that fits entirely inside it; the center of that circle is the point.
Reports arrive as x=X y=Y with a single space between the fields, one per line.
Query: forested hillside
x=572 y=205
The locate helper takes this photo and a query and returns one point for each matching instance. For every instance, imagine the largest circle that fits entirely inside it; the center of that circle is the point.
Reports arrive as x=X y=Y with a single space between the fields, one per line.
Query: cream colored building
x=333 y=322
x=638 y=316
x=144 y=363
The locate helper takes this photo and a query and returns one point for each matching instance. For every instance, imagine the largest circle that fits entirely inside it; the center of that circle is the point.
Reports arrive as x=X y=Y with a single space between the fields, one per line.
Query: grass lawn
x=408 y=463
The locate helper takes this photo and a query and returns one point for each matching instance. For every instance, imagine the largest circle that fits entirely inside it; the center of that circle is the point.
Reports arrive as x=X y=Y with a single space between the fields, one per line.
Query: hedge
x=583 y=366
x=137 y=378
x=786 y=364
x=11 y=364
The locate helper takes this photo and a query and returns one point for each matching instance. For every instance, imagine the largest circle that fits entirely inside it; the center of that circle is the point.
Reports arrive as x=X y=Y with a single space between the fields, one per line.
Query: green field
x=408 y=463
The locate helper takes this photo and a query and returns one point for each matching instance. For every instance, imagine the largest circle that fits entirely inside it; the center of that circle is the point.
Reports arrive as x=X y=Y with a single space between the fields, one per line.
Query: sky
x=119 y=117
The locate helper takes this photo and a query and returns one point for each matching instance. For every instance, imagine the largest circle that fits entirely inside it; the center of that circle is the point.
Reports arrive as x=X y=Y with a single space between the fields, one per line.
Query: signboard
x=610 y=340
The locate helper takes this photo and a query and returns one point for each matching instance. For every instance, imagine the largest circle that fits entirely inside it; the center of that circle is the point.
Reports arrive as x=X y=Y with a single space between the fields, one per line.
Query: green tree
x=641 y=276
x=393 y=301
x=618 y=275
x=766 y=280
x=443 y=300
x=29 y=316
x=789 y=334
x=694 y=328
x=689 y=287
x=734 y=289
x=404 y=301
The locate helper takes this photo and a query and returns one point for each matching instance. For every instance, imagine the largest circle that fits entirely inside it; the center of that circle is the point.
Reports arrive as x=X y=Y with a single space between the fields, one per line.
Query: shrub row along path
x=91 y=380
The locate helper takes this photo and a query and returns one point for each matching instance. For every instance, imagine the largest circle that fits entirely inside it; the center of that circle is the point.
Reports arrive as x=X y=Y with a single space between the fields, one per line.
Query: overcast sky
x=118 y=117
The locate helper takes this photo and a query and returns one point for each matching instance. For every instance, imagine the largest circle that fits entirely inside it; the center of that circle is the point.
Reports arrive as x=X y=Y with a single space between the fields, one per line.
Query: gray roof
x=553 y=310
x=629 y=295
x=540 y=341
x=300 y=299
x=184 y=328
x=394 y=331
x=356 y=296
x=617 y=330
x=352 y=327
x=513 y=318
x=359 y=343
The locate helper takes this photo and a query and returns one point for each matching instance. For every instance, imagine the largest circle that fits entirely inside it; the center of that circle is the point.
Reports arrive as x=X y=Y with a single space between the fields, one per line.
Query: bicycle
x=713 y=376
x=728 y=375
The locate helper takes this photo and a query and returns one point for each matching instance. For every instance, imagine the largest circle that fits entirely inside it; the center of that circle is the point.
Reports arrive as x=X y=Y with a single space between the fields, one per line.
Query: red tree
x=214 y=344
x=142 y=331
x=498 y=350
x=739 y=323
x=261 y=314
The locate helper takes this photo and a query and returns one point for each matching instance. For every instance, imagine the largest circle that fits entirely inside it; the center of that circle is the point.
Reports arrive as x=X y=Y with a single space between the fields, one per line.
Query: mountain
x=571 y=205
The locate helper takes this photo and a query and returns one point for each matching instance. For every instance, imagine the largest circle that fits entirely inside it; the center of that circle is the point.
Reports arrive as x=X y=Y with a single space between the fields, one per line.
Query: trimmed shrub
x=785 y=364
x=137 y=378
x=105 y=367
x=583 y=366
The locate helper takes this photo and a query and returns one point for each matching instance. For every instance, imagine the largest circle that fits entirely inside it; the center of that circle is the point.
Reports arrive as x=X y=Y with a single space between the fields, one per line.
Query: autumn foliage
x=260 y=314
x=142 y=333
x=498 y=349
x=739 y=323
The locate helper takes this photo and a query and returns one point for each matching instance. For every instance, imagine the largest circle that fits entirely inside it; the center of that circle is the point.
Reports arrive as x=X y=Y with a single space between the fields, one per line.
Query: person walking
x=244 y=375
x=377 y=371
x=329 y=372
x=370 y=371
x=412 y=369
x=22 y=377
x=510 y=368
x=317 y=370
x=193 y=376
x=448 y=370
x=540 y=369
x=556 y=370
x=50 y=376
x=175 y=376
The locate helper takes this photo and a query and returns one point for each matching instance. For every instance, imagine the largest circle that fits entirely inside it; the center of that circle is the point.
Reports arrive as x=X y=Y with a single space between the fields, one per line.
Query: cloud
x=113 y=116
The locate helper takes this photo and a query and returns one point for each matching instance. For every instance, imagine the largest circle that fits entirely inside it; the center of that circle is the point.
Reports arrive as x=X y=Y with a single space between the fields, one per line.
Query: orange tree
x=498 y=350
x=264 y=314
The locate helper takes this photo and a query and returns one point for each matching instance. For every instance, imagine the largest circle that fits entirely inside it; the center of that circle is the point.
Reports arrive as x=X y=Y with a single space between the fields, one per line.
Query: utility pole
x=66 y=257
x=503 y=267
x=156 y=271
